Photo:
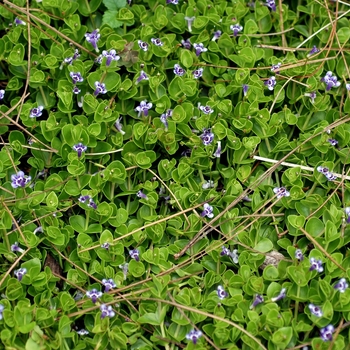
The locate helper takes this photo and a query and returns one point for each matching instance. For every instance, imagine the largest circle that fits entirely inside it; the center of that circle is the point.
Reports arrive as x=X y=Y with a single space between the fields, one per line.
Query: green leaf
x=114 y=4
x=264 y=245
x=282 y=336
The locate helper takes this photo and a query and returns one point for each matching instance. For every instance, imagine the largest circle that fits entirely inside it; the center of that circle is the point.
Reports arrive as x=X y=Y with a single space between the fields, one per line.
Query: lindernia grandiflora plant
x=93 y=38
x=110 y=56
x=79 y=148
x=270 y=83
x=94 y=294
x=142 y=76
x=194 y=335
x=236 y=28
x=178 y=70
x=36 y=112
x=100 y=88
x=197 y=73
x=199 y=48
x=143 y=108
x=20 y=179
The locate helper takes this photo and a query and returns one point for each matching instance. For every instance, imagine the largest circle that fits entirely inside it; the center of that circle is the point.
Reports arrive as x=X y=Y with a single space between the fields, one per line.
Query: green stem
x=43 y=95
x=70 y=118
x=162 y=325
x=6 y=239
x=312 y=189
x=307 y=121
x=112 y=190
x=175 y=336
x=297 y=305
x=201 y=176
x=87 y=219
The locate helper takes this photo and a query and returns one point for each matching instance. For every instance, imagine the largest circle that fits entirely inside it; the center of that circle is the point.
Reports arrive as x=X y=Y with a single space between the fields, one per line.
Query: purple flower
x=208 y=184
x=111 y=55
x=216 y=35
x=322 y=170
x=143 y=76
x=76 y=90
x=164 y=117
x=197 y=73
x=194 y=335
x=341 y=285
x=330 y=176
x=20 y=273
x=178 y=70
x=207 y=137
x=186 y=44
x=281 y=192
x=100 y=88
x=236 y=28
x=19 y=22
x=276 y=67
x=299 y=255
x=92 y=204
x=20 y=180
x=326 y=333
x=346 y=85
x=189 y=21
x=312 y=96
x=280 y=296
x=206 y=109
x=2 y=308
x=257 y=300
x=83 y=199
x=70 y=60
x=330 y=80
x=217 y=153
x=156 y=42
x=105 y=245
x=222 y=294
x=174 y=2
x=347 y=212
x=135 y=254
x=199 y=48
x=316 y=265
x=313 y=51
x=225 y=251
x=78 y=295
x=119 y=126
x=106 y=311
x=143 y=45
x=125 y=269
x=80 y=148
x=93 y=38
x=15 y=248
x=208 y=211
x=140 y=194
x=271 y=4
x=186 y=153
x=234 y=256
x=76 y=77
x=270 y=83
x=109 y=284
x=315 y=310
x=2 y=94
x=245 y=88
x=94 y=294
x=143 y=108
x=333 y=142
x=36 y=112
x=82 y=332
x=38 y=229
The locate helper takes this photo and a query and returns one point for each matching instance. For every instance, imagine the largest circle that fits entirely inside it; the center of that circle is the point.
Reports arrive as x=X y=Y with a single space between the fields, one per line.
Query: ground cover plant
x=174 y=174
